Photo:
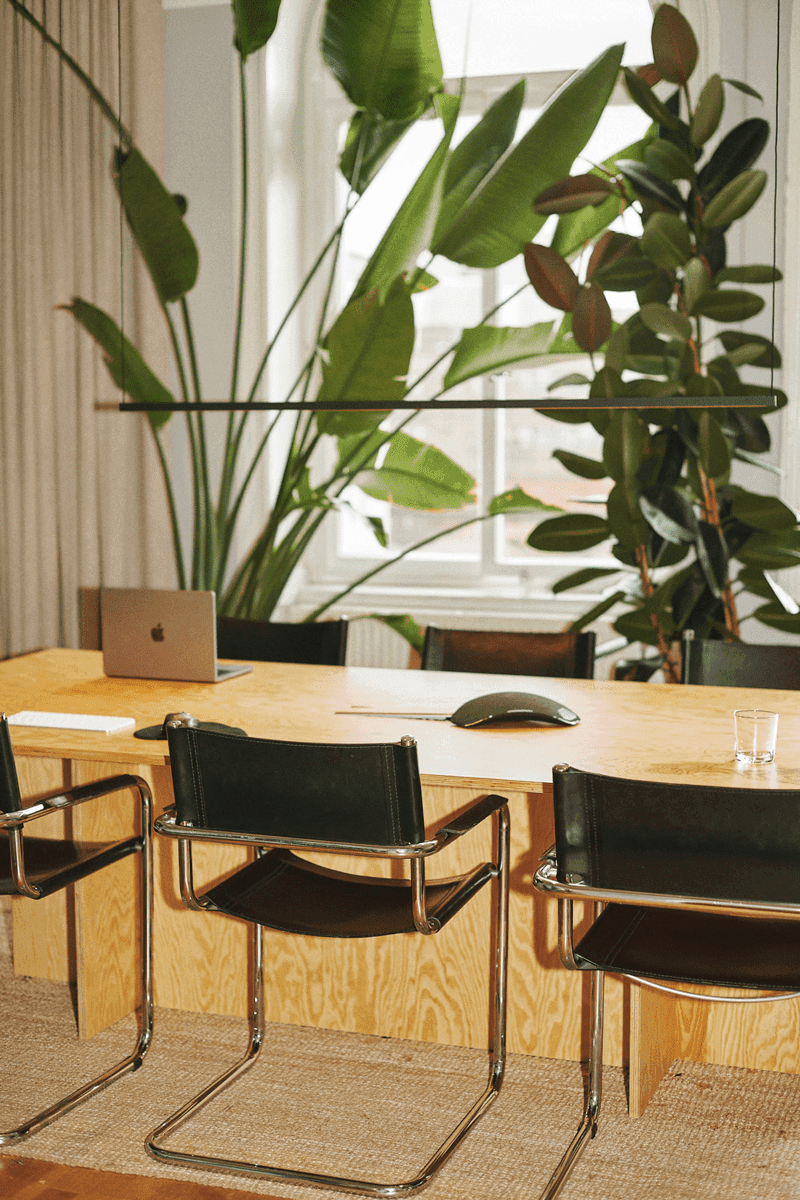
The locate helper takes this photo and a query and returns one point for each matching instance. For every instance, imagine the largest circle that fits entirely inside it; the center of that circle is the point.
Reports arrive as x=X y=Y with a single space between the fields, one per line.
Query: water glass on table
x=755 y=730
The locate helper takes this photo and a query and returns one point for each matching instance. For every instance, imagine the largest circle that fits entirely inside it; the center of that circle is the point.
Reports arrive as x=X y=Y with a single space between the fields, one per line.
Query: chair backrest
x=677 y=838
x=565 y=655
x=736 y=664
x=367 y=794
x=10 y=800
x=323 y=643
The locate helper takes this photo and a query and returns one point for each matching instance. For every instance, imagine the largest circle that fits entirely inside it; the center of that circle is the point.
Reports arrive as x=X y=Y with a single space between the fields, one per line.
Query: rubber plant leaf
x=736 y=153
x=671 y=515
x=773 y=616
x=370 y=140
x=420 y=476
x=574 y=230
x=578 y=578
x=410 y=231
x=624 y=445
x=577 y=464
x=674 y=45
x=770 y=356
x=487 y=348
x=660 y=319
x=643 y=95
x=668 y=160
x=497 y=220
x=517 y=500
x=254 y=23
x=553 y=279
x=591 y=318
x=384 y=54
x=762 y=512
x=368 y=351
x=125 y=364
x=156 y=222
x=573 y=193
x=625 y=274
x=771 y=551
x=597 y=611
x=708 y=111
x=666 y=240
x=475 y=155
x=574 y=531
x=755 y=273
x=649 y=185
x=712 y=554
x=728 y=304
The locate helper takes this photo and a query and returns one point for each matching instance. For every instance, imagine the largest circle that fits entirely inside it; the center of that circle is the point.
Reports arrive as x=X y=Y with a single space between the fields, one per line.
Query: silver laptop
x=150 y=634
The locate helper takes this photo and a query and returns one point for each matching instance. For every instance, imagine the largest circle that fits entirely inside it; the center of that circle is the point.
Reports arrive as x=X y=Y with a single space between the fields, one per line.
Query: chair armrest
x=51 y=802
x=477 y=812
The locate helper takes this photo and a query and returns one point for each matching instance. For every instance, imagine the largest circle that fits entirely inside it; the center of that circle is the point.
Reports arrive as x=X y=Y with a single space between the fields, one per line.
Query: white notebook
x=55 y=720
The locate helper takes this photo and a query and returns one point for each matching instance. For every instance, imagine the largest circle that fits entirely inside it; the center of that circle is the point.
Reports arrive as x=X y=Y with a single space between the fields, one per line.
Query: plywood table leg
x=655 y=1042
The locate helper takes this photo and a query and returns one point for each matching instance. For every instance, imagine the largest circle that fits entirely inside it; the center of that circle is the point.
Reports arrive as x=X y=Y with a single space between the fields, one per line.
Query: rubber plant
x=689 y=539
x=471 y=204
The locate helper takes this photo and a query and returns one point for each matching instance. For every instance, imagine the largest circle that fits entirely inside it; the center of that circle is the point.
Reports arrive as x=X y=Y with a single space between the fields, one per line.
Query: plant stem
x=647 y=591
x=711 y=511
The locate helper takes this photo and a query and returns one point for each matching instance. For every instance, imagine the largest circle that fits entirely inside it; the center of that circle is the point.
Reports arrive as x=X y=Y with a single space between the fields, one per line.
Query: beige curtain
x=81 y=499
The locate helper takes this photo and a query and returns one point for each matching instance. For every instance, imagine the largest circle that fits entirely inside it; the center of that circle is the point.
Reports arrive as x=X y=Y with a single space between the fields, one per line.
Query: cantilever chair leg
x=134 y=1060
x=341 y=1183
x=588 y=1126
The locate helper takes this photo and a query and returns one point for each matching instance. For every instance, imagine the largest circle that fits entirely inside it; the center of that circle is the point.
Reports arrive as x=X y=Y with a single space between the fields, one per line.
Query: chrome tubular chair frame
x=491 y=806
x=573 y=886
x=15 y=824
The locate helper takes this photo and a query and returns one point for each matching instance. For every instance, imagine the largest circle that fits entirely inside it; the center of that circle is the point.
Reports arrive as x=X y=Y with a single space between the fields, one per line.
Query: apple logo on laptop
x=157 y=633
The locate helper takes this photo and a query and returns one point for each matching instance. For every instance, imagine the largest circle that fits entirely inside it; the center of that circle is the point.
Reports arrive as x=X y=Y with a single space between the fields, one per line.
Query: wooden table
x=431 y=989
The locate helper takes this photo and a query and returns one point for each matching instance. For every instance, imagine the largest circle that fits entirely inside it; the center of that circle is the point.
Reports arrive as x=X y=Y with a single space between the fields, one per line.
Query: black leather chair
x=38 y=866
x=356 y=799
x=323 y=643
x=737 y=664
x=664 y=859
x=562 y=655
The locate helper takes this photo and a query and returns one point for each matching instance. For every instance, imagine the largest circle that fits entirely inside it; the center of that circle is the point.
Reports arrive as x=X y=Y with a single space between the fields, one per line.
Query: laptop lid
x=153 y=634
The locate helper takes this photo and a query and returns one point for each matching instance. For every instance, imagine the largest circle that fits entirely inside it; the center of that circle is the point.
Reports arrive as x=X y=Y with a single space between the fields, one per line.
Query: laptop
x=151 y=634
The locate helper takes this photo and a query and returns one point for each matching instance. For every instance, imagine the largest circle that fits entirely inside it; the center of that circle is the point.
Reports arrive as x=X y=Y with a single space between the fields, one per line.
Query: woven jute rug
x=377 y=1107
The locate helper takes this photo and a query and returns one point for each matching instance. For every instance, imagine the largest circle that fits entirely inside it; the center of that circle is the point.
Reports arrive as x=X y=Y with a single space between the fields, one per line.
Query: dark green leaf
x=696 y=282
x=762 y=584
x=754 y=274
x=643 y=95
x=774 y=617
x=661 y=319
x=585 y=468
x=125 y=364
x=736 y=153
x=624 y=445
x=574 y=531
x=744 y=87
x=637 y=626
x=729 y=304
x=666 y=240
x=161 y=233
x=575 y=230
x=573 y=380
x=712 y=554
x=578 y=578
x=762 y=512
x=370 y=139
x=732 y=339
x=497 y=220
x=487 y=348
x=668 y=160
x=650 y=186
x=593 y=614
x=607 y=385
x=254 y=22
x=384 y=53
x=713 y=448
x=624 y=515
x=626 y=274
x=771 y=551
x=671 y=515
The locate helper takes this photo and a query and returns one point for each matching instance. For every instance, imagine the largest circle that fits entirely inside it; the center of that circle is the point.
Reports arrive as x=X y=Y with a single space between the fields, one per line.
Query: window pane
x=527 y=36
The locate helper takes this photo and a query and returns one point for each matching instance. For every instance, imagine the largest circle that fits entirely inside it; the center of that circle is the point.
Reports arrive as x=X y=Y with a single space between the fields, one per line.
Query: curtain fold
x=81 y=498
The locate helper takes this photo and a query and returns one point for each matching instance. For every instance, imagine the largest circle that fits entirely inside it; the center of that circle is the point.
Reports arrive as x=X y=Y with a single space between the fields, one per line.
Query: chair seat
x=694 y=947
x=282 y=891
x=51 y=863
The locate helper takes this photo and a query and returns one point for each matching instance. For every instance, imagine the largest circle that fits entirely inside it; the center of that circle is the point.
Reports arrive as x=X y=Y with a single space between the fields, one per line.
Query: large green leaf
x=574 y=230
x=254 y=22
x=674 y=45
x=671 y=515
x=475 y=155
x=574 y=531
x=712 y=554
x=578 y=578
x=368 y=351
x=643 y=95
x=370 y=139
x=497 y=220
x=517 y=500
x=597 y=611
x=487 y=348
x=624 y=515
x=666 y=240
x=626 y=274
x=384 y=53
x=774 y=617
x=708 y=111
x=409 y=232
x=737 y=152
x=770 y=356
x=771 y=551
x=125 y=364
x=762 y=512
x=659 y=318
x=649 y=186
x=714 y=450
x=584 y=468
x=624 y=445
x=416 y=475
x=155 y=219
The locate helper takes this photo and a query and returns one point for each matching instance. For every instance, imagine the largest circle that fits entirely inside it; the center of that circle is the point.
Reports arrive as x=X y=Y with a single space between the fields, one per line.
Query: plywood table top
x=640 y=730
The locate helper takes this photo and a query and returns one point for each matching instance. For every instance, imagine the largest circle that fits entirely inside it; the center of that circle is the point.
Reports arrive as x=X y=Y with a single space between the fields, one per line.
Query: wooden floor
x=27 y=1179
